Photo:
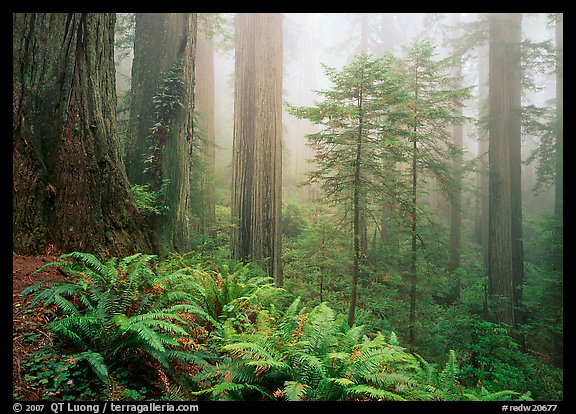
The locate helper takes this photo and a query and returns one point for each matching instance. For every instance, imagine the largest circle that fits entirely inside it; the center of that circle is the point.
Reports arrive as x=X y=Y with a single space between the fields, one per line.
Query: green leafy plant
x=314 y=356
x=167 y=101
x=148 y=202
x=227 y=292
x=117 y=314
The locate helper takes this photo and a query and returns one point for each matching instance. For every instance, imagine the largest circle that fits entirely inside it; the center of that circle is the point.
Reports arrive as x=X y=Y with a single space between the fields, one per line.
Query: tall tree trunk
x=515 y=131
x=456 y=199
x=257 y=148
x=204 y=103
x=160 y=140
x=503 y=114
x=559 y=182
x=413 y=255
x=481 y=220
x=358 y=207
x=70 y=188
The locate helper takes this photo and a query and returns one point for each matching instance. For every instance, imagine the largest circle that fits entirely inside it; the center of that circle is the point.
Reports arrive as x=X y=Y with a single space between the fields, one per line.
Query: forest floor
x=27 y=335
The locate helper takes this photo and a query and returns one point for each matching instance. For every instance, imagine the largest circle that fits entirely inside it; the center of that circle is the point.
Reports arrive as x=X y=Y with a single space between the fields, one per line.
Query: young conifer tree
x=432 y=104
x=355 y=114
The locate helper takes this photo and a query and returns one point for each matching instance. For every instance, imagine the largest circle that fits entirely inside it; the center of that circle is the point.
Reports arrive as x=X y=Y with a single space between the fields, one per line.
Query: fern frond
x=373 y=393
x=350 y=337
x=193 y=310
x=196 y=358
x=92 y=262
x=96 y=361
x=485 y=395
x=294 y=309
x=393 y=339
x=294 y=390
x=145 y=336
x=80 y=329
x=68 y=334
x=226 y=388
x=422 y=395
x=343 y=382
x=139 y=258
x=248 y=350
x=265 y=364
x=309 y=368
x=318 y=329
x=155 y=316
x=449 y=375
x=54 y=295
x=427 y=369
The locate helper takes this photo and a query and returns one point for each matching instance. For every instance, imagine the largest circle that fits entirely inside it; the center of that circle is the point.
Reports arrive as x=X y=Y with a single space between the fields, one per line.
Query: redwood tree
x=505 y=266
x=257 y=147
x=69 y=184
x=160 y=135
x=204 y=104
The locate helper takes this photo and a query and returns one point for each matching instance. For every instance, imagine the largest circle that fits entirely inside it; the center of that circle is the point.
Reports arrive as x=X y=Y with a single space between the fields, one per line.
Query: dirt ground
x=27 y=321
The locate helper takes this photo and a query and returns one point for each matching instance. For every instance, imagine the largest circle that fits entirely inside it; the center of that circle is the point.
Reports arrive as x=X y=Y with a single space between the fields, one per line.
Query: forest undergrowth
x=201 y=326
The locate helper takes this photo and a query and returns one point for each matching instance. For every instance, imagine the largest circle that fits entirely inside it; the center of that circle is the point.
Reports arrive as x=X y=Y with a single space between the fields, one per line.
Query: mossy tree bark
x=69 y=183
x=257 y=147
x=160 y=136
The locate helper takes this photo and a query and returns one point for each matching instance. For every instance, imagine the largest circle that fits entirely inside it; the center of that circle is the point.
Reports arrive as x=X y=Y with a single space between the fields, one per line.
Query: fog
x=333 y=39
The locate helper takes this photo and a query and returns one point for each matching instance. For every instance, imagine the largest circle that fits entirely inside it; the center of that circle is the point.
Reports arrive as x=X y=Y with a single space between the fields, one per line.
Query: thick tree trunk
x=70 y=188
x=159 y=143
x=501 y=283
x=515 y=131
x=204 y=103
x=257 y=149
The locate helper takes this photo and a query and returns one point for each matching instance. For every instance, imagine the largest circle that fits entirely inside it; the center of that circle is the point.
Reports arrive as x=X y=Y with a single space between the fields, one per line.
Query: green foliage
x=310 y=355
x=357 y=123
x=229 y=291
x=542 y=123
x=495 y=363
x=117 y=313
x=186 y=329
x=60 y=378
x=148 y=202
x=293 y=222
x=314 y=262
x=167 y=101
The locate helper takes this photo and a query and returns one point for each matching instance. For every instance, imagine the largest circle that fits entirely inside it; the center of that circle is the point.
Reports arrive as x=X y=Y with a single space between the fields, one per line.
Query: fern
x=97 y=363
x=317 y=356
x=485 y=395
x=119 y=311
x=372 y=393
x=294 y=391
x=230 y=390
x=449 y=376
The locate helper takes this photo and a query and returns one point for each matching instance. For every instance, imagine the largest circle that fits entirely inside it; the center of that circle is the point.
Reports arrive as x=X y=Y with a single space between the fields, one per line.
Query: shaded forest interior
x=298 y=206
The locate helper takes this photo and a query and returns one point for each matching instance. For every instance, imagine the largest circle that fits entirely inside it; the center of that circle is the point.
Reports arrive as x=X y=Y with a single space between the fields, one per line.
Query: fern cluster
x=311 y=355
x=118 y=315
x=199 y=330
